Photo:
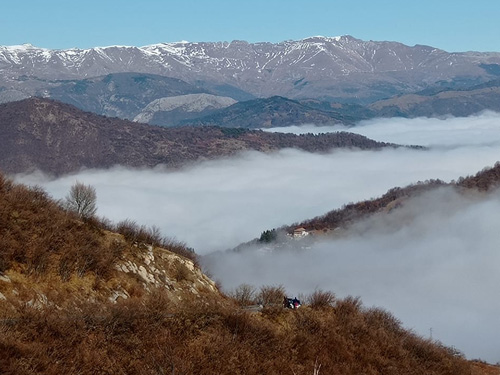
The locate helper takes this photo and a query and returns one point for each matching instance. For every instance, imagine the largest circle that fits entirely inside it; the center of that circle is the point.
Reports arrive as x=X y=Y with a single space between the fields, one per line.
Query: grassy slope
x=56 y=316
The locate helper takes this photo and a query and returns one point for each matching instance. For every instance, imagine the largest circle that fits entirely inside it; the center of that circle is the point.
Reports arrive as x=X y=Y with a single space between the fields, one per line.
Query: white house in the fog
x=300 y=232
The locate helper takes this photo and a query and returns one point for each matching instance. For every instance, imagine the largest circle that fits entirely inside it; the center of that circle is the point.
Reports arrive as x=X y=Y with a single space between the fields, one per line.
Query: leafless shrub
x=129 y=229
x=271 y=295
x=179 y=248
x=320 y=299
x=348 y=307
x=383 y=318
x=244 y=294
x=82 y=199
x=154 y=235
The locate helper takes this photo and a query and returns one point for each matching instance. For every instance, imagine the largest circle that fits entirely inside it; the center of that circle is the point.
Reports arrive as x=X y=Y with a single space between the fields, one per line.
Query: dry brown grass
x=320 y=299
x=149 y=336
x=482 y=368
x=52 y=325
x=41 y=237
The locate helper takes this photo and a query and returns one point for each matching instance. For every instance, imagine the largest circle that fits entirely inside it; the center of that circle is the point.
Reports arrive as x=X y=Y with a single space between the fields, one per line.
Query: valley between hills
x=166 y=279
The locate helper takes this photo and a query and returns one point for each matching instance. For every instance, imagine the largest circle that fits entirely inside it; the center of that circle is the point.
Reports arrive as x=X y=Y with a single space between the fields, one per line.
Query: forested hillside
x=58 y=138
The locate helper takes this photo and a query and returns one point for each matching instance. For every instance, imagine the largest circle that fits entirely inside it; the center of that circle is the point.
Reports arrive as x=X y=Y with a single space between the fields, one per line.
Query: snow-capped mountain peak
x=317 y=66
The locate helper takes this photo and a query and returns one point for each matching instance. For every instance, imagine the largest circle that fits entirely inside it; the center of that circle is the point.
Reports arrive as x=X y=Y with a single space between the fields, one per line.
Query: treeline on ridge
x=485 y=180
x=32 y=127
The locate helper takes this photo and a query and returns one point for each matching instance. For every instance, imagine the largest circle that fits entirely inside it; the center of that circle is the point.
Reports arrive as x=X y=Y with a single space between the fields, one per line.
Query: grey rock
x=185 y=103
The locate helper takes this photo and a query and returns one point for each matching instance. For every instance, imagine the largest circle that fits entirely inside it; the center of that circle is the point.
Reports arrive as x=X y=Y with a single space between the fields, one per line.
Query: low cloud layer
x=218 y=204
x=481 y=129
x=433 y=264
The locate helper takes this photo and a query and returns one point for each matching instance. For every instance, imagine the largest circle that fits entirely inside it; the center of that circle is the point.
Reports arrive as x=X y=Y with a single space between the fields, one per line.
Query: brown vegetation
x=135 y=233
x=147 y=336
x=49 y=326
x=58 y=138
x=271 y=295
x=38 y=236
x=343 y=217
x=482 y=368
x=244 y=295
x=485 y=180
x=320 y=299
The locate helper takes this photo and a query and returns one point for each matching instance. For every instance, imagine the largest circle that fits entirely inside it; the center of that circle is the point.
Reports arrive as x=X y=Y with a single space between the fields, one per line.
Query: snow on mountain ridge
x=335 y=65
x=183 y=49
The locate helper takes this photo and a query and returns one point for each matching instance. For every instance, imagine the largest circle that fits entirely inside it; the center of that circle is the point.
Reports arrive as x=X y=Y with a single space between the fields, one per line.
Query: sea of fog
x=434 y=270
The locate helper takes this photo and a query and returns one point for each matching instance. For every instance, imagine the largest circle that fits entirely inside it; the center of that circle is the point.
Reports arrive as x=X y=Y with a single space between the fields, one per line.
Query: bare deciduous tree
x=244 y=294
x=82 y=199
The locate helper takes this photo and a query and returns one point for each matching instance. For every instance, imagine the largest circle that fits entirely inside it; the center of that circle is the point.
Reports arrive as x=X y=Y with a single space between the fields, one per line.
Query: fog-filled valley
x=251 y=188
x=431 y=263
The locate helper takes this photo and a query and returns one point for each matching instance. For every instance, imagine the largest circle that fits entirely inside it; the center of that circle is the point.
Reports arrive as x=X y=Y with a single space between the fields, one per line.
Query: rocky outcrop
x=171 y=110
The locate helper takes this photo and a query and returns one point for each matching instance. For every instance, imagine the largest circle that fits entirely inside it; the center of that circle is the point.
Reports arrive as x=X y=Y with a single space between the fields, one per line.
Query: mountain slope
x=337 y=69
x=460 y=103
x=343 y=218
x=121 y=95
x=265 y=113
x=76 y=298
x=58 y=138
x=42 y=243
x=175 y=109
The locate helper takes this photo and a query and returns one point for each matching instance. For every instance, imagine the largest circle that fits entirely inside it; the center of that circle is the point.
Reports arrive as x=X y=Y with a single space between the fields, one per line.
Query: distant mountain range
x=59 y=138
x=122 y=95
x=313 y=80
x=172 y=111
x=342 y=69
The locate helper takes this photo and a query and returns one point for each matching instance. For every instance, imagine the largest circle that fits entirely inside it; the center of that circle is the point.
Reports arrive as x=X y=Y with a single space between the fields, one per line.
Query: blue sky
x=457 y=25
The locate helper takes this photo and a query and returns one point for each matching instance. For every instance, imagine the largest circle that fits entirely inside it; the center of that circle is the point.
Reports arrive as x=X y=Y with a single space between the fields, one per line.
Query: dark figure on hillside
x=290 y=303
x=286 y=303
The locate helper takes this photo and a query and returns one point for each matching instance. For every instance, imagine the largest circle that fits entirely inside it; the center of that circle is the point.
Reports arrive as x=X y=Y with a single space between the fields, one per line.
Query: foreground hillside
x=77 y=298
x=58 y=138
x=43 y=245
